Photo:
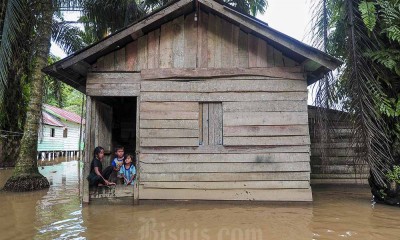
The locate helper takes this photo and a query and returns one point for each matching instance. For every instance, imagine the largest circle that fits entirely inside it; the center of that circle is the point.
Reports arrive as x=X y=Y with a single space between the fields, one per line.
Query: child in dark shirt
x=97 y=177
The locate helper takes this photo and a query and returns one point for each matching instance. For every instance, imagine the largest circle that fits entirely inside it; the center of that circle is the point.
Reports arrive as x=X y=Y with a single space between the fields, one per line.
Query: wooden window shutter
x=211 y=123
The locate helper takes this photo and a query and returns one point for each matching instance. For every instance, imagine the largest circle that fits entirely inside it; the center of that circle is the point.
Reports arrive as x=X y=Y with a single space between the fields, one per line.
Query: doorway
x=115 y=123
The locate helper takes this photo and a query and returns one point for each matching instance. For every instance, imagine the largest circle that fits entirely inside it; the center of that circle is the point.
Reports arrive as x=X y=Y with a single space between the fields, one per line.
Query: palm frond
x=67 y=37
x=13 y=20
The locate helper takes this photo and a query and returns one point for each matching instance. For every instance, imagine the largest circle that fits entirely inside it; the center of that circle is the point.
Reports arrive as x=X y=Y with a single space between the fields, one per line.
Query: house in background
x=213 y=101
x=59 y=133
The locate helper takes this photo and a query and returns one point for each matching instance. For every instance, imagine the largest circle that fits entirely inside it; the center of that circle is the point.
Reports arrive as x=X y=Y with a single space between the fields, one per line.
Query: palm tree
x=362 y=86
x=26 y=176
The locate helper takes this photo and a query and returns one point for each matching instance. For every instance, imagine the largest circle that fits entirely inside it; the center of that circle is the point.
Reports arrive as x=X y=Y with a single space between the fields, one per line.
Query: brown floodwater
x=338 y=212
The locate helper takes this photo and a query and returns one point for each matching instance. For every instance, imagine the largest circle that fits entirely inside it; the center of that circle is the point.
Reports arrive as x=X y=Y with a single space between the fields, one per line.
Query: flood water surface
x=56 y=213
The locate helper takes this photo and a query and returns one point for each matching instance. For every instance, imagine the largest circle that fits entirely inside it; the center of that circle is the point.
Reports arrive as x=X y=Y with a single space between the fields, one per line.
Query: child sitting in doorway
x=117 y=162
x=128 y=170
x=97 y=176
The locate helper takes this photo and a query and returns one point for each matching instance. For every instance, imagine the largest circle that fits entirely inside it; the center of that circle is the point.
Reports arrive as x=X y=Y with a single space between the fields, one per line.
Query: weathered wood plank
x=334 y=152
x=208 y=149
x=142 y=52
x=222 y=97
x=339 y=169
x=216 y=177
x=178 y=124
x=225 y=86
x=262 y=57
x=203 y=41
x=339 y=176
x=166 y=40
x=218 y=42
x=215 y=123
x=190 y=44
x=163 y=133
x=178 y=42
x=224 y=158
x=243 y=50
x=278 y=58
x=270 y=106
x=253 y=50
x=120 y=60
x=229 y=185
x=116 y=92
x=99 y=65
x=339 y=181
x=261 y=141
x=169 y=106
x=153 y=43
x=164 y=142
x=131 y=56
x=234 y=194
x=169 y=115
x=88 y=143
x=172 y=73
x=264 y=118
x=264 y=131
x=205 y=123
x=110 y=77
x=226 y=46
x=225 y=167
x=109 y=61
x=235 y=46
x=114 y=86
x=270 y=55
x=211 y=40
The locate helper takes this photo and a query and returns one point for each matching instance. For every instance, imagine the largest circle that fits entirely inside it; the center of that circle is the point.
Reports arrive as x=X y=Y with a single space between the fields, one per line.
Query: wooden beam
x=279 y=72
x=233 y=194
x=221 y=177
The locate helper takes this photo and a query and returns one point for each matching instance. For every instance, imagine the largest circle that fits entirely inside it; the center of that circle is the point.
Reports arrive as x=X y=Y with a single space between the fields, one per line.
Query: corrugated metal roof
x=63 y=114
x=50 y=120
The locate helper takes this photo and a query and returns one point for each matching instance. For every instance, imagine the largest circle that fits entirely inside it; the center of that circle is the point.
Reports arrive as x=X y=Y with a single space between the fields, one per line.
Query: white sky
x=291 y=17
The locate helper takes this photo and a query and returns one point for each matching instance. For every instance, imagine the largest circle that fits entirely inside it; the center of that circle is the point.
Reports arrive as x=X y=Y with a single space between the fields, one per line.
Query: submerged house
x=213 y=102
x=59 y=133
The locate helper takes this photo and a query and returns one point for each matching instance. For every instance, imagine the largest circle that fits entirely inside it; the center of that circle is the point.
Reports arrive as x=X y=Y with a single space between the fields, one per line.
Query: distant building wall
x=333 y=162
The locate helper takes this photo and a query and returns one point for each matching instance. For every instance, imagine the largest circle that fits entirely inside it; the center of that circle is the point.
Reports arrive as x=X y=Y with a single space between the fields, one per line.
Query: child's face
x=100 y=155
x=128 y=160
x=120 y=153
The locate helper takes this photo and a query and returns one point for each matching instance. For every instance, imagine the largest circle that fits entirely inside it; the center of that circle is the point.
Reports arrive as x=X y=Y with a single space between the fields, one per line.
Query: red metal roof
x=49 y=120
x=63 y=114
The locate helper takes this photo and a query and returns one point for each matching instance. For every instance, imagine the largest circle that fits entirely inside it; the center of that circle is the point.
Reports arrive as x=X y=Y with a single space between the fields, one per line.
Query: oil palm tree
x=363 y=87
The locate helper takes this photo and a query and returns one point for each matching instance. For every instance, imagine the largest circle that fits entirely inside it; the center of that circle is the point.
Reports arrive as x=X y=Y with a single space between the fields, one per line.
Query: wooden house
x=59 y=132
x=213 y=101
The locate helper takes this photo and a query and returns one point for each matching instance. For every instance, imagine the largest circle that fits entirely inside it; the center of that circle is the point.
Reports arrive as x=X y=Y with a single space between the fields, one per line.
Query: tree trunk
x=26 y=176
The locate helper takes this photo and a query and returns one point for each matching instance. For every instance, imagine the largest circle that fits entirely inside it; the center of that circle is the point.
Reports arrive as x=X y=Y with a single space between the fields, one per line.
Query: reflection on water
x=336 y=213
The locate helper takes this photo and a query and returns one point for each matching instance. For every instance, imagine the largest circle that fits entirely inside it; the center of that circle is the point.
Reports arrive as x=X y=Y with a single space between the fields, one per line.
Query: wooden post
x=136 y=189
x=86 y=161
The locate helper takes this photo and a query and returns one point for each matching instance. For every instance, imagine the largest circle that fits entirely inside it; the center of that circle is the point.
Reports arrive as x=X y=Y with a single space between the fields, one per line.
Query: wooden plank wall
x=265 y=151
x=211 y=42
x=336 y=166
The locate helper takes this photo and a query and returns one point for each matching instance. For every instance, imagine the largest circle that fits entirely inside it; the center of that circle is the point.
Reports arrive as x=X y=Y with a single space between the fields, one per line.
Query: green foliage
x=368 y=11
x=394 y=174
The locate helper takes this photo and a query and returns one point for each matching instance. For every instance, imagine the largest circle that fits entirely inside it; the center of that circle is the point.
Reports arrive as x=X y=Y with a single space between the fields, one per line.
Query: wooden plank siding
x=333 y=162
x=210 y=42
x=261 y=146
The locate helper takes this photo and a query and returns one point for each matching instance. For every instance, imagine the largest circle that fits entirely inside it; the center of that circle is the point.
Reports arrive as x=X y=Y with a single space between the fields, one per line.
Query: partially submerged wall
x=332 y=162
